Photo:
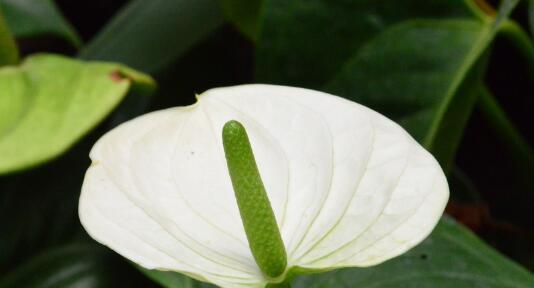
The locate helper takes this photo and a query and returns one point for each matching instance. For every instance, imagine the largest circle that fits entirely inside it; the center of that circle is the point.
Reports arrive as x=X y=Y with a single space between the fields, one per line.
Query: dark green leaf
x=9 y=53
x=38 y=208
x=446 y=140
x=419 y=72
x=173 y=280
x=31 y=18
x=74 y=266
x=305 y=43
x=49 y=102
x=149 y=35
x=409 y=72
x=405 y=70
x=451 y=257
x=244 y=14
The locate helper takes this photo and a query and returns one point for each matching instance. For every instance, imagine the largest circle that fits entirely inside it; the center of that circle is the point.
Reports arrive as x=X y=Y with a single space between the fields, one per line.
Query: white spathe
x=348 y=186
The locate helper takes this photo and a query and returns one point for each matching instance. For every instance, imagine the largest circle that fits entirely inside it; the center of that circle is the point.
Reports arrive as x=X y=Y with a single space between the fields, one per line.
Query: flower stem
x=9 y=54
x=258 y=218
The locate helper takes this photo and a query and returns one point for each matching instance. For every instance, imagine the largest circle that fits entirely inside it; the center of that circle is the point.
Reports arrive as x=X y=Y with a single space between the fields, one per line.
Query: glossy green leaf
x=420 y=73
x=49 y=102
x=149 y=35
x=31 y=18
x=415 y=65
x=446 y=140
x=451 y=257
x=403 y=70
x=410 y=73
x=173 y=280
x=73 y=266
x=334 y=30
x=244 y=14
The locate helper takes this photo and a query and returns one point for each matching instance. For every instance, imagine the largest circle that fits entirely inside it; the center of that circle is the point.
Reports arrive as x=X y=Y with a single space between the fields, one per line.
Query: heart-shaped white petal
x=348 y=186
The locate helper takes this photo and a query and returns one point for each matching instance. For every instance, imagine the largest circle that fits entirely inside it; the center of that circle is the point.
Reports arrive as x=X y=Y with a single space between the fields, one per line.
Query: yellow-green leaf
x=49 y=102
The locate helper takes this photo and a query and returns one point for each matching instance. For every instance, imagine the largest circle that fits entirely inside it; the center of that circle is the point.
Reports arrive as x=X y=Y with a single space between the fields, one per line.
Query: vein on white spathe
x=348 y=186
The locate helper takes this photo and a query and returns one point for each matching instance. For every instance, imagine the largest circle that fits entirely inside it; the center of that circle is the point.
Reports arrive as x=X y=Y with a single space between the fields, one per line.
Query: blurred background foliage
x=457 y=74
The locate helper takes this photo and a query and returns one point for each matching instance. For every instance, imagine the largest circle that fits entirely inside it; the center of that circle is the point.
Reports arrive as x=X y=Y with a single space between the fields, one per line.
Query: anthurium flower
x=344 y=186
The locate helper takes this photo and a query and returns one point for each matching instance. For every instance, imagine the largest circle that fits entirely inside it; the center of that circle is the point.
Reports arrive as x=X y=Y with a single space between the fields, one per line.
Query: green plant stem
x=9 y=54
x=518 y=148
x=522 y=42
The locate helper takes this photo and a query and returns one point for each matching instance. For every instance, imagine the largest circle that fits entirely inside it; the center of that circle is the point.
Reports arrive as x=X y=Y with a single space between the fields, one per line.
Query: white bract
x=348 y=186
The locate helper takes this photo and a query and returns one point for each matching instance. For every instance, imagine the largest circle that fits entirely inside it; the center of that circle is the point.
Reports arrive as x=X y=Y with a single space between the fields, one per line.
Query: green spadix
x=256 y=212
